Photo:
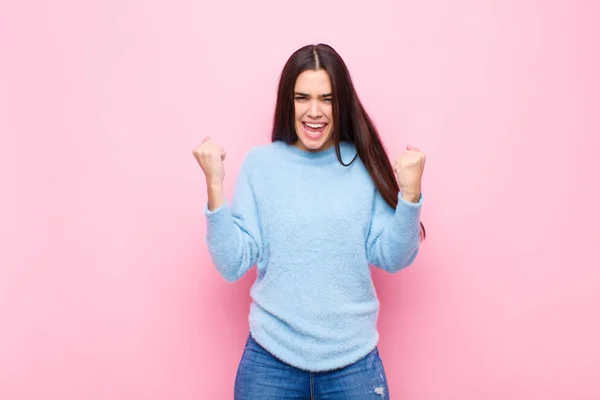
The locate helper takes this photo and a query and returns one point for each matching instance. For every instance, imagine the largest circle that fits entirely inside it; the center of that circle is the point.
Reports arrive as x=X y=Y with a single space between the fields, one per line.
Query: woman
x=312 y=210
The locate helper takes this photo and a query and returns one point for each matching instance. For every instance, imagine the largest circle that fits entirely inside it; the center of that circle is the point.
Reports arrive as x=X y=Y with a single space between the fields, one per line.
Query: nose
x=314 y=111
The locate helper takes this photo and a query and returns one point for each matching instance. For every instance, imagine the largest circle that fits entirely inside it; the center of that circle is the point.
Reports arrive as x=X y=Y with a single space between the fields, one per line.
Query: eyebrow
x=307 y=95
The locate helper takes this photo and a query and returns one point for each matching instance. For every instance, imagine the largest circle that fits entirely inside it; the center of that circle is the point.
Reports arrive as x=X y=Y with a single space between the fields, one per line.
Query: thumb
x=409 y=147
x=206 y=139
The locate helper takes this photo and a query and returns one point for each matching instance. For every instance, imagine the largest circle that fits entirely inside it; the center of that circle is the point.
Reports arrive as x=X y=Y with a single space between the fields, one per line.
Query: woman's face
x=313 y=118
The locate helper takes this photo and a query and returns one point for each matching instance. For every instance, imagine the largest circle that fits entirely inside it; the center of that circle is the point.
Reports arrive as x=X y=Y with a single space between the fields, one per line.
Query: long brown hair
x=350 y=119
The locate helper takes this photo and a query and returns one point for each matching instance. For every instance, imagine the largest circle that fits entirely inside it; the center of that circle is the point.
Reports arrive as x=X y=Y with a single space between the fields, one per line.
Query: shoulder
x=260 y=153
x=349 y=155
x=259 y=157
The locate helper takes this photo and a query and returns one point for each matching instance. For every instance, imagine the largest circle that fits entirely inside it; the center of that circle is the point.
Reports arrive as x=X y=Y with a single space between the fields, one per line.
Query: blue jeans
x=261 y=376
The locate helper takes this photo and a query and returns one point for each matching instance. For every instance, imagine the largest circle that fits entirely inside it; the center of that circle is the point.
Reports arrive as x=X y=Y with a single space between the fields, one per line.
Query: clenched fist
x=210 y=156
x=409 y=168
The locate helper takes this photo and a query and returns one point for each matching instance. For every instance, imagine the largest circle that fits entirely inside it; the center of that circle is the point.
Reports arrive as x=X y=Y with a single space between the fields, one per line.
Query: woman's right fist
x=210 y=156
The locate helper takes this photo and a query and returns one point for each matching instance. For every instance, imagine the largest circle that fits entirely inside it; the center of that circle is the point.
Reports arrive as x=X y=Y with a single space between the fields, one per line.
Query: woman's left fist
x=409 y=169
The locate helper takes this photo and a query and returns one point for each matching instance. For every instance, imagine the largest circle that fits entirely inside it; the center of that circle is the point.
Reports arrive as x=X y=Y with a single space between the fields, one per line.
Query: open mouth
x=314 y=130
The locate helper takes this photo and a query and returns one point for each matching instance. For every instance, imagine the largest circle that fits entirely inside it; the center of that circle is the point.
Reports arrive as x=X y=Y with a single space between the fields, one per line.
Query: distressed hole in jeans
x=380 y=390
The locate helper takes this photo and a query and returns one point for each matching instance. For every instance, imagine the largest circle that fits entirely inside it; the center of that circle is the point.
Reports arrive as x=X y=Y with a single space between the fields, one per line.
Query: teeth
x=314 y=126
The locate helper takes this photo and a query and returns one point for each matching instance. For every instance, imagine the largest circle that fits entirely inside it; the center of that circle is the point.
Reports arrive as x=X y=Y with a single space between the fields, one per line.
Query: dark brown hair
x=350 y=120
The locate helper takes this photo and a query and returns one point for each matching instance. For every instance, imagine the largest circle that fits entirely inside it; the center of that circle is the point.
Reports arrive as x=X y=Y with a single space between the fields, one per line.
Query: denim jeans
x=261 y=376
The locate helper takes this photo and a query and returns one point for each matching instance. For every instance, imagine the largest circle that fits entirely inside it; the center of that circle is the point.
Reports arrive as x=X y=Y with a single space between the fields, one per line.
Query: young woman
x=313 y=210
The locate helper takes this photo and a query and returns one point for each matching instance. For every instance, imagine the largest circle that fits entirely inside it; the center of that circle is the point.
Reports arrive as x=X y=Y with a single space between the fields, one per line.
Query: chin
x=311 y=145
x=315 y=144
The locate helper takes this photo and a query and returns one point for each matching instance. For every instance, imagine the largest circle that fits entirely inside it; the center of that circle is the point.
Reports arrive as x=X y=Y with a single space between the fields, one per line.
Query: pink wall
x=106 y=287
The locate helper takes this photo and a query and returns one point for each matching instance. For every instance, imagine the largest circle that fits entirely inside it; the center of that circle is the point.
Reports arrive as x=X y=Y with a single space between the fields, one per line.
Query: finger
x=206 y=139
x=409 y=147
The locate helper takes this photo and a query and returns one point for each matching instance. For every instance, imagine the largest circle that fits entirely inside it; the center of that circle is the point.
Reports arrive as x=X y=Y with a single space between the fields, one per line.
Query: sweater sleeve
x=394 y=235
x=233 y=233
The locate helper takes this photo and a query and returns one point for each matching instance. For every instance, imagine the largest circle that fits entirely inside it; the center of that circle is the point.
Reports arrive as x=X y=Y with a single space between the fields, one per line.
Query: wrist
x=412 y=196
x=216 y=195
x=214 y=184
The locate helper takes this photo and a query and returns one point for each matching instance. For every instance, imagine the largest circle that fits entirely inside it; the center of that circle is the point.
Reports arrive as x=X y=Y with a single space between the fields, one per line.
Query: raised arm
x=232 y=233
x=395 y=234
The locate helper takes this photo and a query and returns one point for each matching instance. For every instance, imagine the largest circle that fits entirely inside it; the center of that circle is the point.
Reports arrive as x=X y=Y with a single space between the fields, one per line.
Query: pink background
x=106 y=287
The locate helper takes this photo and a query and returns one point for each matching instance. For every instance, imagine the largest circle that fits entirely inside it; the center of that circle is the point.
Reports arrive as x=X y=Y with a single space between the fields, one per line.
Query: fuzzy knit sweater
x=312 y=227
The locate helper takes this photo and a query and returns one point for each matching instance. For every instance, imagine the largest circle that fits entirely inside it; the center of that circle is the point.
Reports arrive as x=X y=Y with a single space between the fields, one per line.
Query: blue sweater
x=312 y=227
